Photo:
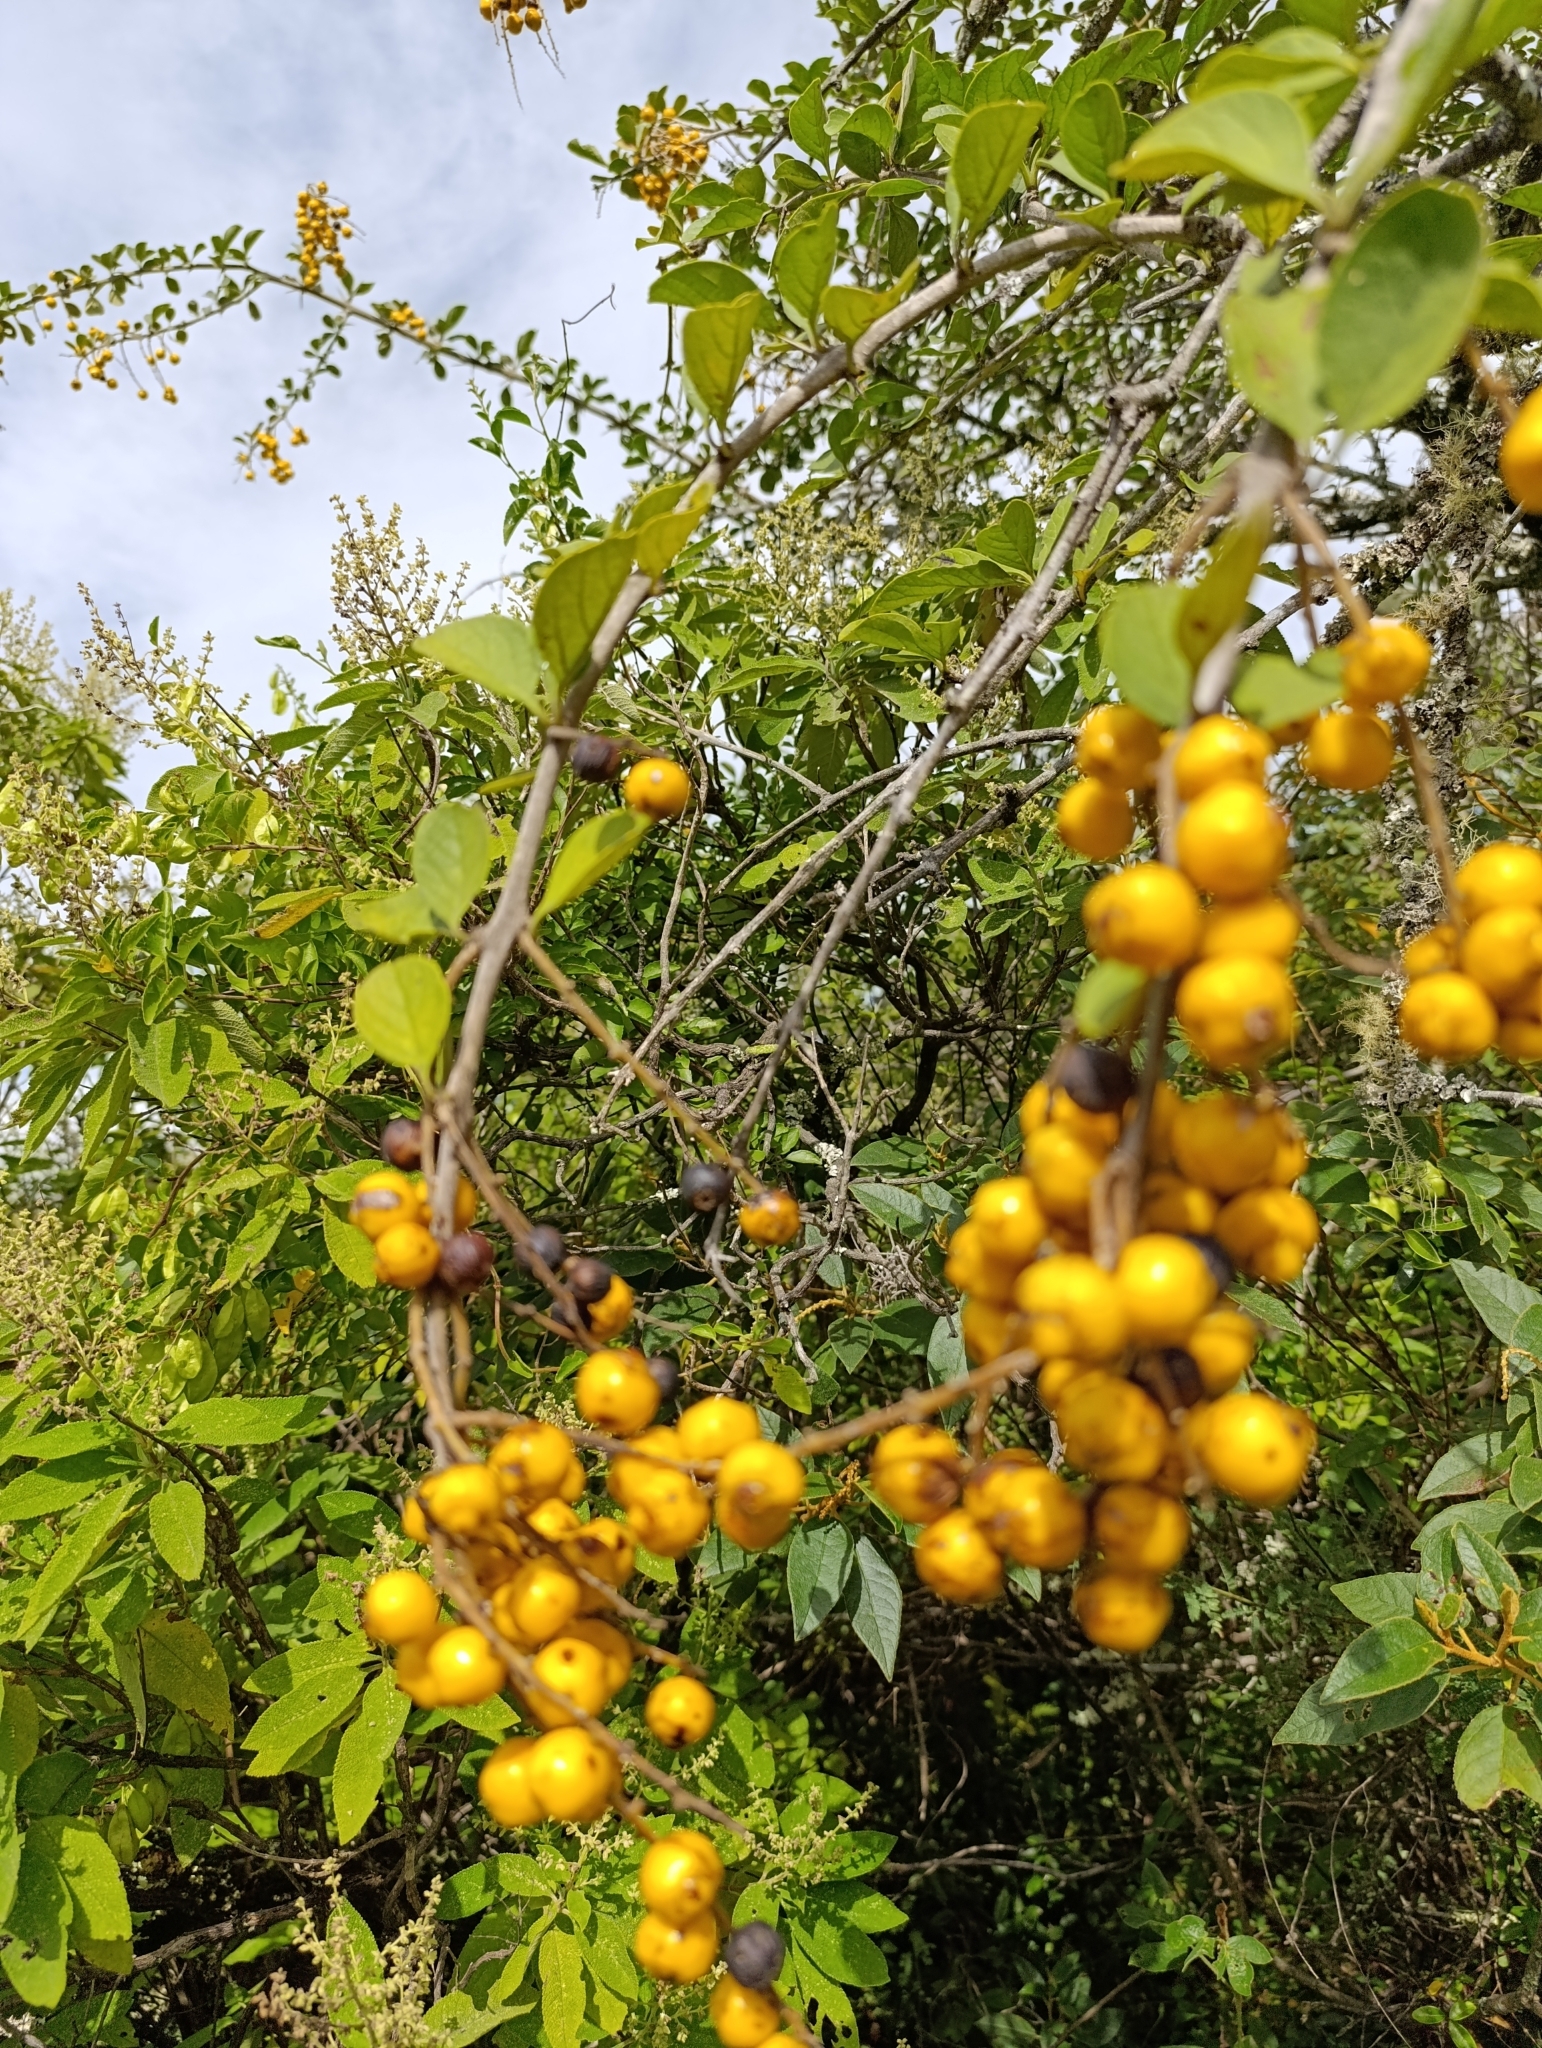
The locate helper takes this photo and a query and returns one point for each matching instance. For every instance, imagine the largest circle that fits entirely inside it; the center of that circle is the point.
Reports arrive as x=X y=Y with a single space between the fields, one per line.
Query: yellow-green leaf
x=367 y=1743
x=499 y=653
x=293 y=912
x=183 y=1666
x=351 y=1251
x=1258 y=138
x=804 y=259
x=1271 y=349
x=177 y=1525
x=988 y=153
x=572 y=602
x=452 y=852
x=715 y=342
x=598 y=845
x=402 y=1011
x=1511 y=302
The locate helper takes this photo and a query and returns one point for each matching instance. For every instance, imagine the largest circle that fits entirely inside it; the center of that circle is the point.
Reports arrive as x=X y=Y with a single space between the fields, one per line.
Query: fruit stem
x=915 y=1405
x=1357 y=963
x=1494 y=384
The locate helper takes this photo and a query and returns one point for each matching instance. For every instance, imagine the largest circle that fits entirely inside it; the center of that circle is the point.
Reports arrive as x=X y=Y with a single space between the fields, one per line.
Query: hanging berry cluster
x=666 y=154
x=322 y=229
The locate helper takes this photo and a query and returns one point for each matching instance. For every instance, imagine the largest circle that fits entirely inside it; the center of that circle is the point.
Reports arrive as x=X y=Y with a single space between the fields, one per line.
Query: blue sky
x=168 y=119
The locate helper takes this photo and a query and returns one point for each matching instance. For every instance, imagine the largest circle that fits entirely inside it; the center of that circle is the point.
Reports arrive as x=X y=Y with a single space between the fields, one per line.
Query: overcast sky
x=164 y=120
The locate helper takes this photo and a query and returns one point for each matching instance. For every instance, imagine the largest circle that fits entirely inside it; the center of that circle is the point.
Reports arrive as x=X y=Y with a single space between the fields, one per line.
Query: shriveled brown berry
x=402 y=1143
x=587 y=1280
x=1170 y=1377
x=544 y=1244
x=595 y=758
x=754 y=1954
x=706 y=1187
x=1216 y=1258
x=466 y=1262
x=1096 y=1078
x=665 y=1375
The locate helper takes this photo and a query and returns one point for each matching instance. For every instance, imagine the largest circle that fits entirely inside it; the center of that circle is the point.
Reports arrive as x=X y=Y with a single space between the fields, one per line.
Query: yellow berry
x=1098 y=1129
x=463 y=1499
x=917 y=1471
x=615 y=1391
x=1007 y=1218
x=1027 y=1512
x=1447 y=1017
x=400 y=1607
x=609 y=1316
x=1169 y=1202
x=680 y=1877
x=464 y=1668
x=1165 y=1285
x=573 y=1774
x=1112 y=1430
x=713 y=1427
x=1138 y=1530
x=576 y=1670
x=1434 y=952
x=531 y=1461
x=1268 y=1232
x=1119 y=745
x=414 y=1526
x=667 y=1511
x=1383 y=662
x=602 y=1548
x=617 y=1650
x=772 y=1217
x=505 y=1788
x=1062 y=1170
x=660 y=789
x=1262 y=924
x=1520 y=455
x=989 y=1331
x=1221 y=1345
x=972 y=1270
x=1223 y=1143
x=1147 y=915
x=1237 y=1010
x=680 y=1710
x=537 y=1603
x=1256 y=1448
x=1232 y=842
x=1349 y=750
x=1118 y=1610
x=1073 y=1308
x=676 y=1955
x=1499 y=873
x=1520 y=1040
x=406 y=1255
x=1502 y=950
x=1291 y=1157
x=412 y=1674
x=1055 y=1376
x=1095 y=820
x=741 y=2017
x=955 y=1560
x=640 y=1461
x=758 y=1486
x=381 y=1201
x=1219 y=749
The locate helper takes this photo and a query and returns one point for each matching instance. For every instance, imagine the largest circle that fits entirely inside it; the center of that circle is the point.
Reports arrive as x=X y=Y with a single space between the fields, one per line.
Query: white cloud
x=166 y=119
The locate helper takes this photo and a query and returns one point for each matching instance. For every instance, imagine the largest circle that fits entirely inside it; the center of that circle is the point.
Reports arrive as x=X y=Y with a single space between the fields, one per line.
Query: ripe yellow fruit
x=381 y=1202
x=680 y=1877
x=1223 y=1143
x=1499 y=873
x=680 y=1710
x=1256 y=1448
x=1237 y=1010
x=972 y=1270
x=1520 y=1040
x=1520 y=455
x=570 y=1486
x=1383 y=662
x=1095 y=820
x=1159 y=1127
x=553 y=1519
x=1447 y=1017
x=1062 y=1169
x=602 y=1548
x=956 y=1561
x=1261 y=924
x=1502 y=950
x=989 y=1331
x=657 y=788
x=771 y=1218
x=464 y=1669
x=1098 y=1129
x=1221 y=1345
x=537 y=1603
x=616 y=1649
x=1291 y=1157
x=573 y=1774
x=616 y=1392
x=1112 y=1429
x=1165 y=1286
x=1147 y=915
x=676 y=1955
x=1349 y=750
x=531 y=1461
x=742 y=2018
x=760 y=1484
x=1055 y=1375
x=1437 y=951
x=1138 y=1530
x=1027 y=1512
x=412 y=1674
x=713 y=1427
x=406 y=1255
x=1232 y=842
x=399 y=1607
x=1220 y=749
x=1073 y=1308
x=1171 y=1203
x=414 y=1525
x=1008 y=1219
x=642 y=1458
x=504 y=1785
x=1268 y=1232
x=579 y=1671
x=667 y=1511
x=609 y=1316
x=463 y=1500
x=1120 y=1610
x=917 y=1471
x=1119 y=745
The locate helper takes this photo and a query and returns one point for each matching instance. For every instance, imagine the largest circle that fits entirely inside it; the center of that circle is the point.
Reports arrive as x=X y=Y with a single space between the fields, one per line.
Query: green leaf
x=842 y=1952
x=1467 y=1467
x=1138 y=634
x=177 y=1519
x=609 y=1957
x=789 y=1386
x=161 y=1058
x=1257 y=138
x=659 y=540
x=294 y=1669
x=366 y=1746
x=402 y=1011
x=72 y=1560
x=588 y=854
x=456 y=2020
x=875 y=1603
x=1271 y=351
x=987 y=155
x=234 y=1419
x=804 y=259
x=18 y=1729
x=100 y=1926
x=349 y=1931
x=1500 y=1751
x=715 y=344
x=499 y=653
x=1500 y=1299
x=1392 y=1654
x=1399 y=302
x=1214 y=605
x=452 y=854
x=562 y=1988
x=1526 y=1482
x=819 y=1561
x=281 y=1732
x=806 y=124
x=702 y=283
x=1299 y=62
x=1510 y=302
x=819 y=1990
x=39 y=1922
x=1092 y=133
x=1497 y=21
x=857 y=1903
x=1274 y=692
x=1108 y=998
x=56 y=1486
x=1418 y=62
x=397 y=915
x=575 y=598
x=1387 y=1597
x=182 y=1665
x=350 y=1250
x=1484 y=1568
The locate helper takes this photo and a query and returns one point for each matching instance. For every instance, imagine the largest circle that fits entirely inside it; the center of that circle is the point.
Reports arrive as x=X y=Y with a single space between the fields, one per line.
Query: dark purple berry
x=754 y=1955
x=1096 y=1078
x=587 y=1279
x=665 y=1375
x=705 y=1187
x=466 y=1262
x=544 y=1244
x=1170 y=1377
x=1222 y=1270
x=401 y=1142
x=595 y=758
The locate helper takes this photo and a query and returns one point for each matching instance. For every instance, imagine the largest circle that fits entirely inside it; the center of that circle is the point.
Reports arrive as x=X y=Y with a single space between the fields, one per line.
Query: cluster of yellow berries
x=392 y=1208
x=412 y=324
x=1481 y=985
x=665 y=155
x=322 y=228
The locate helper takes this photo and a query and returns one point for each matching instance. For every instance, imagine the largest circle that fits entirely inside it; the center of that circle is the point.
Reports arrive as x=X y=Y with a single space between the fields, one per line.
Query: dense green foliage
x=971 y=1821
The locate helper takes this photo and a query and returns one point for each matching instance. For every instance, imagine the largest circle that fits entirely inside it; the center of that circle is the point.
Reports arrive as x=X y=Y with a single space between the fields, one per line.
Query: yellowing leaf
x=715 y=342
x=294 y=912
x=988 y=153
x=183 y=1666
x=572 y=602
x=598 y=845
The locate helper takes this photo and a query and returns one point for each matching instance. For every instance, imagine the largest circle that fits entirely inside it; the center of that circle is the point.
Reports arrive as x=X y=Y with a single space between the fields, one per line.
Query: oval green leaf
x=598 y=845
x=402 y=1011
x=1257 y=138
x=572 y=602
x=715 y=342
x=1393 y=1654
x=498 y=653
x=987 y=156
x=452 y=852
